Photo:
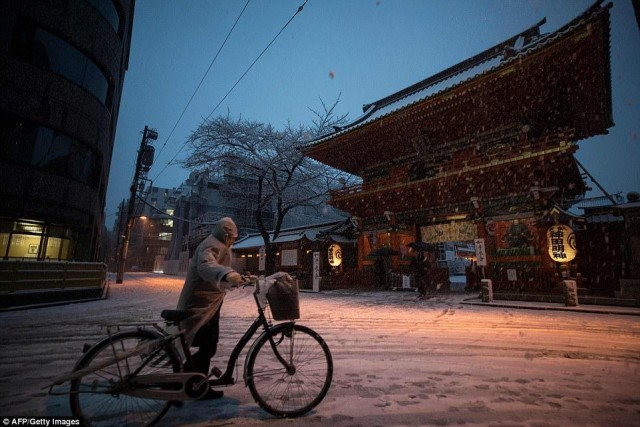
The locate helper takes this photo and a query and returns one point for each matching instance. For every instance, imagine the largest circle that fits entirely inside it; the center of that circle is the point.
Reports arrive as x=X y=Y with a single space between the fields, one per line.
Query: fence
x=401 y=281
x=349 y=279
x=525 y=280
x=36 y=282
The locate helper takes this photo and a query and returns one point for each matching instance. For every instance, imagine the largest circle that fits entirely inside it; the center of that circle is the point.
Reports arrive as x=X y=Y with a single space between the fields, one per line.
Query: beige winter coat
x=203 y=289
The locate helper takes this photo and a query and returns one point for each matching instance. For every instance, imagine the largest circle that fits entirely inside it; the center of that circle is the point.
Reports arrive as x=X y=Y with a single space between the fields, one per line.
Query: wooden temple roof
x=516 y=95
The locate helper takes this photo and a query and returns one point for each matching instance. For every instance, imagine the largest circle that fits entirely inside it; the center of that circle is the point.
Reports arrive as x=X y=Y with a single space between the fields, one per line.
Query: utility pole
x=143 y=164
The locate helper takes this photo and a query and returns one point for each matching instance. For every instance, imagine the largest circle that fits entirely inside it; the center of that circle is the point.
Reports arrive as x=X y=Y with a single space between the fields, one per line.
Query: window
x=43 y=49
x=51 y=151
x=164 y=236
x=82 y=164
x=21 y=245
x=35 y=240
x=24 y=142
x=108 y=10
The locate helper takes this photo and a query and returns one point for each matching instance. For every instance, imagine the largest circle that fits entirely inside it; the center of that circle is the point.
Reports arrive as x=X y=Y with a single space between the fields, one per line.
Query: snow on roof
x=629 y=205
x=604 y=218
x=491 y=59
x=436 y=88
x=290 y=235
x=600 y=201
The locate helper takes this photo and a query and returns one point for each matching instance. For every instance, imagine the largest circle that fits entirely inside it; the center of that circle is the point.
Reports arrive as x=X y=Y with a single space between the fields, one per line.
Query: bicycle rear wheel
x=99 y=398
x=290 y=393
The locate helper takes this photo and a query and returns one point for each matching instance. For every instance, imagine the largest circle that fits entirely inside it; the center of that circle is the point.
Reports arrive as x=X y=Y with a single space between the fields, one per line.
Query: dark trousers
x=206 y=340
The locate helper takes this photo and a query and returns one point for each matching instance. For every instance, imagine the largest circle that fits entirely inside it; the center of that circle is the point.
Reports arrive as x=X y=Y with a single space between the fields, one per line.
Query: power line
x=203 y=77
x=237 y=82
x=256 y=60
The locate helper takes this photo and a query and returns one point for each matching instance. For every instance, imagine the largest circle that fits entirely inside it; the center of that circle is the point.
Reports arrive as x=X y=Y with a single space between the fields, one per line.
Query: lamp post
x=143 y=164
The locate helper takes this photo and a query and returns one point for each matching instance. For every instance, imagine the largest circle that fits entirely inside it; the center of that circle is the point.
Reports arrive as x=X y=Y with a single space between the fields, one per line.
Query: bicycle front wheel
x=290 y=392
x=100 y=398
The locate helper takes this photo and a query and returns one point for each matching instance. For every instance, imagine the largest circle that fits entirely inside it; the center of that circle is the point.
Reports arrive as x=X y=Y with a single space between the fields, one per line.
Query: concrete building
x=206 y=197
x=62 y=67
x=152 y=231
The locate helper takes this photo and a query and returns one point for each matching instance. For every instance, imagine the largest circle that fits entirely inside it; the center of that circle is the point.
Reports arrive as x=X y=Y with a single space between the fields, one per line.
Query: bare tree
x=271 y=162
x=325 y=120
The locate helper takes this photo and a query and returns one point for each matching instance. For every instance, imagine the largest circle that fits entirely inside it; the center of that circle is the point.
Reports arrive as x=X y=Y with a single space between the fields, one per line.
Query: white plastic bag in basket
x=267 y=282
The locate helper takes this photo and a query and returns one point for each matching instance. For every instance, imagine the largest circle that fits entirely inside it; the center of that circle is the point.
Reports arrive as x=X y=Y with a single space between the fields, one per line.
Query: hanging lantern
x=335 y=255
x=562 y=243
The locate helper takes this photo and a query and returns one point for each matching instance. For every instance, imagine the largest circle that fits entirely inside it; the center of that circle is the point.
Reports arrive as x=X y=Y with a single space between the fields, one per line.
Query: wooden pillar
x=361 y=239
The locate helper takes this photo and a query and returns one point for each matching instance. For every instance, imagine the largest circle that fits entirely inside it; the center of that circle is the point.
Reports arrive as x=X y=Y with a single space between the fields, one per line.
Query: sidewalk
x=531 y=305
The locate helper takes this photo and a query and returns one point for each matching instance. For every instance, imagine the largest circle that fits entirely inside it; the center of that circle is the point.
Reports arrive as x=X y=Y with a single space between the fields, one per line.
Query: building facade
x=152 y=230
x=332 y=243
x=62 y=68
x=482 y=150
x=206 y=197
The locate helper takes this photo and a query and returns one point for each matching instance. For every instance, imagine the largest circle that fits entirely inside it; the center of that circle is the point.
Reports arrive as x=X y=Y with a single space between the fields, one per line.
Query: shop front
x=36 y=241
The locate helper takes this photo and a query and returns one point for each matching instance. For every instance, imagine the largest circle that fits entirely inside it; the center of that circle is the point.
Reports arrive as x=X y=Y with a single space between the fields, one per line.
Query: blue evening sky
x=361 y=49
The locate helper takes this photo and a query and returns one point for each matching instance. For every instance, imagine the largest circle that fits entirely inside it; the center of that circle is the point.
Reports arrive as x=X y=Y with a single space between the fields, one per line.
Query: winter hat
x=224 y=227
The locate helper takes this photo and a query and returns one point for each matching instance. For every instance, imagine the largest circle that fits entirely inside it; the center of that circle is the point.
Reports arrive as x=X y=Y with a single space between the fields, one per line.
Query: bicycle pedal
x=216 y=372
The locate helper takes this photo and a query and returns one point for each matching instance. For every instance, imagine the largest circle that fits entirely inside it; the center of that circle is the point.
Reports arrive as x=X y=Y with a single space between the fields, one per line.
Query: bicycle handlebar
x=248 y=281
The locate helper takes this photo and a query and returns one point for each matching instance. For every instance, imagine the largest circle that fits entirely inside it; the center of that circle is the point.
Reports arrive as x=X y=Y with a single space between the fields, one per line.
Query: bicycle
x=133 y=377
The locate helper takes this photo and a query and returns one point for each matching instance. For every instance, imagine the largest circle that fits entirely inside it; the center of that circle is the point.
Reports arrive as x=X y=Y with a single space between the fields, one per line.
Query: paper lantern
x=335 y=255
x=562 y=243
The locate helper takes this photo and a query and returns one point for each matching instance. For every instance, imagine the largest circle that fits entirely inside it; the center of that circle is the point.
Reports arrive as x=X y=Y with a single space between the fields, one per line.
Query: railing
x=527 y=279
x=50 y=275
x=350 y=279
x=401 y=281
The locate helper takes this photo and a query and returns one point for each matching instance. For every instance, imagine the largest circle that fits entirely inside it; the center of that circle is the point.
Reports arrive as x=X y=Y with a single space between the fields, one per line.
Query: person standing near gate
x=421 y=267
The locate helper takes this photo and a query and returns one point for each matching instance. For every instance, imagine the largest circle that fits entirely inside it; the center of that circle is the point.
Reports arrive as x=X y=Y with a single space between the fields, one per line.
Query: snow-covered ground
x=399 y=361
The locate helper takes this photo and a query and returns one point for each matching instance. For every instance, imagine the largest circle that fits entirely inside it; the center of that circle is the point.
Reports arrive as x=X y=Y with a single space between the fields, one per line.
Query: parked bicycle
x=133 y=376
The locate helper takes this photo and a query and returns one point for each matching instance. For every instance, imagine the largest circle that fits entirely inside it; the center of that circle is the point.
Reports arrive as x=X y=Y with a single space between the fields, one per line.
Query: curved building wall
x=62 y=65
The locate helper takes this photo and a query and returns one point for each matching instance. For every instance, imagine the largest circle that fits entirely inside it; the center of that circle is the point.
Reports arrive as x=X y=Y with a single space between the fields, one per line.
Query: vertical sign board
x=316 y=271
x=481 y=252
x=261 y=260
x=289 y=257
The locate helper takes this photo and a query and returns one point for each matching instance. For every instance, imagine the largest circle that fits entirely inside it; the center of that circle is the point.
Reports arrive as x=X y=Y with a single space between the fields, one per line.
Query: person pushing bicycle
x=208 y=277
x=137 y=373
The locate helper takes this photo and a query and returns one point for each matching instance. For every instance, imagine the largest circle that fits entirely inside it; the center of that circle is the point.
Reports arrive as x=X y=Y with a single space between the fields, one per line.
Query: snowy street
x=398 y=361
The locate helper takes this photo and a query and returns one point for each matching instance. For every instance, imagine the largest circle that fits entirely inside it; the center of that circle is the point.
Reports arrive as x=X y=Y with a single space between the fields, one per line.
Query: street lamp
x=143 y=164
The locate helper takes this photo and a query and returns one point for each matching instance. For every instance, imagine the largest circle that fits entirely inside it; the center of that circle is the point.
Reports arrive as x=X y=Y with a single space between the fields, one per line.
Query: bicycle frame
x=139 y=370
x=227 y=377
x=177 y=341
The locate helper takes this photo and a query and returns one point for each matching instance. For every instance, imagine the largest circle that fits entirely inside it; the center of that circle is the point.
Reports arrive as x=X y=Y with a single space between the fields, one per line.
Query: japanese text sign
x=562 y=243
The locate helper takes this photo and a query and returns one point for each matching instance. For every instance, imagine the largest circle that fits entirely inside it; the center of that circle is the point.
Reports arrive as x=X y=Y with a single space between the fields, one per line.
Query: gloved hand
x=233 y=278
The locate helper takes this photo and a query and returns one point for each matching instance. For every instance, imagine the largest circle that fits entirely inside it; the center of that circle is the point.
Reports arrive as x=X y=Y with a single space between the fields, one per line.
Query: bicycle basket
x=283 y=300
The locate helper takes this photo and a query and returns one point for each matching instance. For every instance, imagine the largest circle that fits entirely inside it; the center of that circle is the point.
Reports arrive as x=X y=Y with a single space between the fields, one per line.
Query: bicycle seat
x=175 y=315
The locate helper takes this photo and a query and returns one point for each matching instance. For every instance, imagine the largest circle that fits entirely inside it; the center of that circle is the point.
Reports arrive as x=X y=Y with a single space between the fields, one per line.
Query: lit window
x=26 y=240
